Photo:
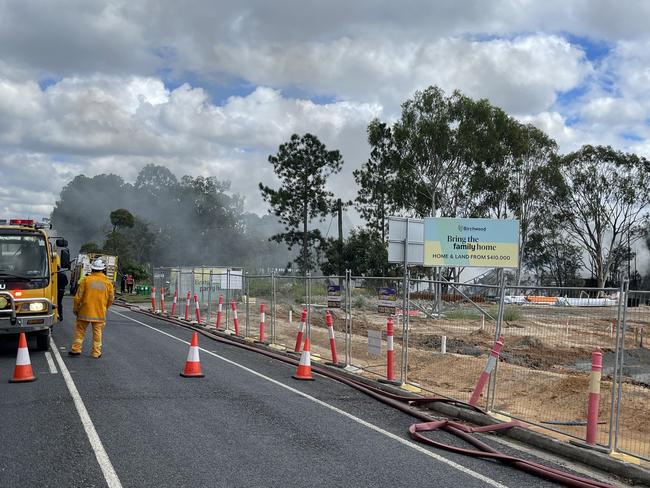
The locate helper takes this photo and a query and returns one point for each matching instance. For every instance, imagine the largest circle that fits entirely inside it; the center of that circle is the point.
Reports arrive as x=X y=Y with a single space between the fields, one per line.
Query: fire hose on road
x=406 y=404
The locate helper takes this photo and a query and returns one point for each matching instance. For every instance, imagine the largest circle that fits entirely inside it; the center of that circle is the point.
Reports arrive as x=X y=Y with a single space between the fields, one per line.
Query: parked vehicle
x=28 y=278
x=82 y=264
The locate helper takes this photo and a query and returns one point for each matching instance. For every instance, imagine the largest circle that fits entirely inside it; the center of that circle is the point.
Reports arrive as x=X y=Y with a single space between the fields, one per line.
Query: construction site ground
x=543 y=374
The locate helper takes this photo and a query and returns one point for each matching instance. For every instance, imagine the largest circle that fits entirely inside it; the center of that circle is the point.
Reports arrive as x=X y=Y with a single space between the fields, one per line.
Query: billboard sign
x=487 y=243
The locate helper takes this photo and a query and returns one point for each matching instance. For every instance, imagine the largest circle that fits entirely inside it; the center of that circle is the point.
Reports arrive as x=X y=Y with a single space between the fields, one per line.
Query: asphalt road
x=246 y=424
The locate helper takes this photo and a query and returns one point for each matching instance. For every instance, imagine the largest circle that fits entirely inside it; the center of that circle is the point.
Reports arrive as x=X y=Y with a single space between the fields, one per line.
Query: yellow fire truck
x=82 y=264
x=28 y=279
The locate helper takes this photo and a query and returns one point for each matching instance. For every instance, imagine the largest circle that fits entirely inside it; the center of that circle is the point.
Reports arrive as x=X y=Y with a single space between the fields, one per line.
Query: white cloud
x=129 y=83
x=613 y=110
x=555 y=125
x=522 y=74
x=119 y=125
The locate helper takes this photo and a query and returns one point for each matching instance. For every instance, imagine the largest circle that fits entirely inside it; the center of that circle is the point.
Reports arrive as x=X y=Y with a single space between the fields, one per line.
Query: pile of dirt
x=526 y=342
x=532 y=353
x=482 y=334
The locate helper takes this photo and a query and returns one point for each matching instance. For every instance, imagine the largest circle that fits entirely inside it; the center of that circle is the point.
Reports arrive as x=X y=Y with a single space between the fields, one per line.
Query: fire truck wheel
x=43 y=341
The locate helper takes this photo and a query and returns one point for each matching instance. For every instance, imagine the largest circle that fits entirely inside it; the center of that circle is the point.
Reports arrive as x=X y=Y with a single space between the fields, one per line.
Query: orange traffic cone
x=304 y=367
x=193 y=365
x=23 y=371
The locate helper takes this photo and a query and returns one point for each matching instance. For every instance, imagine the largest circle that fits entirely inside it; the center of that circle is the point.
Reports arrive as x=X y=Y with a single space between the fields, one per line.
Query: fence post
x=248 y=308
x=622 y=299
x=228 y=306
x=492 y=384
x=308 y=278
x=193 y=282
x=438 y=288
x=178 y=282
x=207 y=320
x=202 y=283
x=274 y=306
x=619 y=396
x=348 y=319
x=405 y=325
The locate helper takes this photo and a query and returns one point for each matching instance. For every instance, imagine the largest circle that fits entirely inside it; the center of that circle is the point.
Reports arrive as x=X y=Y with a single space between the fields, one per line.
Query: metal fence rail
x=443 y=333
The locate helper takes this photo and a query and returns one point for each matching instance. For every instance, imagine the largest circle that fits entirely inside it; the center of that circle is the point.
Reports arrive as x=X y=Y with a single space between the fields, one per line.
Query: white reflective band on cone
x=492 y=361
x=193 y=355
x=22 y=359
x=305 y=360
x=389 y=343
x=262 y=317
x=302 y=327
x=235 y=312
x=330 y=330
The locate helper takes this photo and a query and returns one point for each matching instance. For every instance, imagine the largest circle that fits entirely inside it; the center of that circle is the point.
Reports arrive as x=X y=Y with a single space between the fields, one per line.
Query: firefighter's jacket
x=94 y=295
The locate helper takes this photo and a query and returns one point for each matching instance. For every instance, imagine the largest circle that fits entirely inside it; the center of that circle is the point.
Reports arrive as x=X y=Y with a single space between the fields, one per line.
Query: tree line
x=445 y=156
x=453 y=156
x=164 y=221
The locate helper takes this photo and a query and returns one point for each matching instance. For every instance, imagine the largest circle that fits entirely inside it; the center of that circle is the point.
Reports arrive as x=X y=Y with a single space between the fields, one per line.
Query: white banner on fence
x=374 y=342
x=200 y=278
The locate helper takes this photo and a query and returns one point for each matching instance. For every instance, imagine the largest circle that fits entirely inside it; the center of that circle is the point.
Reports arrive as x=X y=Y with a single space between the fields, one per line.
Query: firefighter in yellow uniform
x=94 y=295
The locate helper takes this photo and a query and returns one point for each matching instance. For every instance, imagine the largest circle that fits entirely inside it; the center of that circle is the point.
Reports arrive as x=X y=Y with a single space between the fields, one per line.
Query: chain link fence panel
x=549 y=336
x=633 y=404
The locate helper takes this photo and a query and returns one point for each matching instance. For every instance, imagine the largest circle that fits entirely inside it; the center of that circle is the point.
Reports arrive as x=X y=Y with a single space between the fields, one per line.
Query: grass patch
x=259 y=287
x=511 y=313
x=134 y=298
x=359 y=302
x=462 y=314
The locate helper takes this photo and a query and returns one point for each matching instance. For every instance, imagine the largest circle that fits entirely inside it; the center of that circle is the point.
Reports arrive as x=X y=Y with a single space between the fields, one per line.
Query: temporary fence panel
x=371 y=302
x=291 y=297
x=257 y=290
x=549 y=336
x=451 y=331
x=633 y=428
x=326 y=294
x=163 y=280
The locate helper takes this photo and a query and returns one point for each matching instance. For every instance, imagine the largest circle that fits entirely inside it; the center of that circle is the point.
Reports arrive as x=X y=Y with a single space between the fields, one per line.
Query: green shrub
x=510 y=314
x=260 y=287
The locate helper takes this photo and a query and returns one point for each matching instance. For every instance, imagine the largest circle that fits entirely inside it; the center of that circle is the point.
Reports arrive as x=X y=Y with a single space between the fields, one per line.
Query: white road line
x=50 y=363
x=102 y=458
x=412 y=445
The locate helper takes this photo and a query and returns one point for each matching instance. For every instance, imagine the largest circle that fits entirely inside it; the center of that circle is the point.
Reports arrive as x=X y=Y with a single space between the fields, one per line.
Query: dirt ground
x=543 y=373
